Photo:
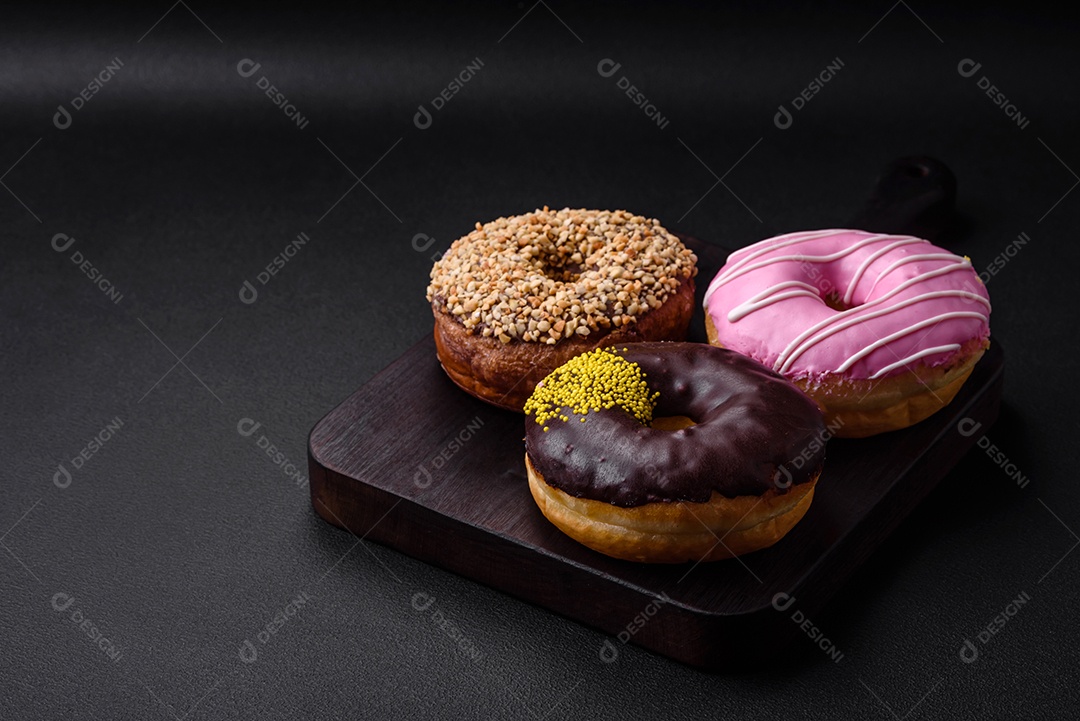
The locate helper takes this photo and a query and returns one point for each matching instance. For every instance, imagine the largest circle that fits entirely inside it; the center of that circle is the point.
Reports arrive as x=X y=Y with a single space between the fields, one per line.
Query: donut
x=881 y=330
x=672 y=452
x=518 y=297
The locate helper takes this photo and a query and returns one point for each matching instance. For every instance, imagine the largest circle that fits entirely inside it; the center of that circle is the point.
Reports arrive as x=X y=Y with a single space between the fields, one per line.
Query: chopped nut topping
x=550 y=274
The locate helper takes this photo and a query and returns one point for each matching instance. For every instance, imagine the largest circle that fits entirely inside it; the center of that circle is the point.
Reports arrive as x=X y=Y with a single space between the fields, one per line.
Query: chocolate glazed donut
x=743 y=472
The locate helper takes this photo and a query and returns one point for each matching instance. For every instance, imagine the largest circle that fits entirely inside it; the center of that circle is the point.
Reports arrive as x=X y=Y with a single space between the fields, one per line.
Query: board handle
x=915 y=195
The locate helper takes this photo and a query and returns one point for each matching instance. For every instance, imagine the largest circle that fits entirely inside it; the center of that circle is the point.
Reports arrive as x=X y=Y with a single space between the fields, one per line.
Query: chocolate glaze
x=750 y=423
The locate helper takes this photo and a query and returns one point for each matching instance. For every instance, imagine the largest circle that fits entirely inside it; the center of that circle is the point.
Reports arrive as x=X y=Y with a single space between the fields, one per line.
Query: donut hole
x=829 y=285
x=835 y=301
x=568 y=273
x=672 y=423
x=561 y=264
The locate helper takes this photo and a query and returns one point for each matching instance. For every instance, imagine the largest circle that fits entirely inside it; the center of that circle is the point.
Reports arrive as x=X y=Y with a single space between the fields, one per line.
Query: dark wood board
x=411 y=461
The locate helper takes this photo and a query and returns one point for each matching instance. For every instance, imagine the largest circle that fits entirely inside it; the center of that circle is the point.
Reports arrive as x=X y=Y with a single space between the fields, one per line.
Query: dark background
x=179 y=539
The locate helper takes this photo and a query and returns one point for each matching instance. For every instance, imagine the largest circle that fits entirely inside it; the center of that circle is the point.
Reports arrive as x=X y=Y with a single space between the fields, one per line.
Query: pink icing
x=911 y=302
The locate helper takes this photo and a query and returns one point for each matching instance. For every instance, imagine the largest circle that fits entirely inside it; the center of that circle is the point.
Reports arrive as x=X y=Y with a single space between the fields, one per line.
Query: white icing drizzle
x=906 y=331
x=758 y=249
x=915 y=356
x=870 y=260
x=741 y=268
x=829 y=332
x=772 y=295
x=778 y=241
x=751 y=258
x=911 y=259
x=845 y=319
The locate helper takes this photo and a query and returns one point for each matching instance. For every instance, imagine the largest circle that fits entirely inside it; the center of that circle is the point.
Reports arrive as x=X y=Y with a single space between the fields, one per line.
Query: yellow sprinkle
x=592 y=381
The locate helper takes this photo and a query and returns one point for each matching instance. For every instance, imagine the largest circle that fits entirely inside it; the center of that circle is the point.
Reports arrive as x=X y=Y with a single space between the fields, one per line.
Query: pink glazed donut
x=880 y=330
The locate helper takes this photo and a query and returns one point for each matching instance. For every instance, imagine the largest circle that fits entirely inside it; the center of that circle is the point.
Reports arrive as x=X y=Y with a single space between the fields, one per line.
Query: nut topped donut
x=881 y=330
x=672 y=452
x=519 y=296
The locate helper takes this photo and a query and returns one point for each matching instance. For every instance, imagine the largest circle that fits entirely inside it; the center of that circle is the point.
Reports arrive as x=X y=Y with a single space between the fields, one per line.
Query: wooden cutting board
x=411 y=461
